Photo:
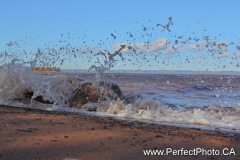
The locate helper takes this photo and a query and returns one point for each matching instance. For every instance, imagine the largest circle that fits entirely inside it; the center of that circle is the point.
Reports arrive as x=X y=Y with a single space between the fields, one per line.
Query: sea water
x=179 y=99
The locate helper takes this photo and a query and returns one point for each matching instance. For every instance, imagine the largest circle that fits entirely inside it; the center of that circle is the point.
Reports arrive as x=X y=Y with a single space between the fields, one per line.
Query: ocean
x=207 y=101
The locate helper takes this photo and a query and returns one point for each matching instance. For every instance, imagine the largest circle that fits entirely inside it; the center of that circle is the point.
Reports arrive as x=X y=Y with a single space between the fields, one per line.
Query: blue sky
x=85 y=26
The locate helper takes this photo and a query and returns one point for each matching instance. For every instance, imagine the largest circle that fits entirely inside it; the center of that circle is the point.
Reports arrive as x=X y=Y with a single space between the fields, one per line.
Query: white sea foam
x=154 y=110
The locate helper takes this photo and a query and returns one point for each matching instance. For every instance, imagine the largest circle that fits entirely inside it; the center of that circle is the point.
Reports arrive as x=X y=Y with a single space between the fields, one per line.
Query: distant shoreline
x=46 y=71
x=165 y=72
x=144 y=72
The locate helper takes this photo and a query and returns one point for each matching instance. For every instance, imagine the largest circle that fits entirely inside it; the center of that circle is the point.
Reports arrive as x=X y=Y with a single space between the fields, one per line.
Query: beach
x=36 y=134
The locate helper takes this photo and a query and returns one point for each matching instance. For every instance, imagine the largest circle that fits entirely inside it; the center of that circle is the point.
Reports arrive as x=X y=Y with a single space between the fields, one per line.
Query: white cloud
x=224 y=54
x=199 y=56
x=160 y=47
x=199 y=46
x=197 y=61
x=237 y=55
x=138 y=48
x=218 y=47
x=174 y=49
x=209 y=46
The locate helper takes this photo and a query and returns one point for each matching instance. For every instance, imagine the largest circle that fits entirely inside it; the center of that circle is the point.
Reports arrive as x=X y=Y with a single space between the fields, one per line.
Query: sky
x=158 y=35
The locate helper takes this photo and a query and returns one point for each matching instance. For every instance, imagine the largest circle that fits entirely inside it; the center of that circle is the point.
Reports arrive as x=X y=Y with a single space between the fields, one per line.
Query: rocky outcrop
x=83 y=94
x=109 y=86
x=87 y=93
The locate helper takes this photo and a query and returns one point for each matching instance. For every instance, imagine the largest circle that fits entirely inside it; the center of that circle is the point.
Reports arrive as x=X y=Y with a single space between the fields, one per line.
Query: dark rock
x=131 y=98
x=40 y=99
x=159 y=136
x=24 y=130
x=84 y=95
x=8 y=140
x=88 y=93
x=33 y=128
x=53 y=140
x=113 y=87
x=28 y=95
x=59 y=122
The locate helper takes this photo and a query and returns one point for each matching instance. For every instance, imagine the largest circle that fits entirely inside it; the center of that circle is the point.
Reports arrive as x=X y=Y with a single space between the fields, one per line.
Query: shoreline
x=198 y=73
x=37 y=134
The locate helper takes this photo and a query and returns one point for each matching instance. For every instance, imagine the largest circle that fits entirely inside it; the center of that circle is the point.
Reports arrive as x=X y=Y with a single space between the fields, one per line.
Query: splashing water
x=165 y=99
x=108 y=63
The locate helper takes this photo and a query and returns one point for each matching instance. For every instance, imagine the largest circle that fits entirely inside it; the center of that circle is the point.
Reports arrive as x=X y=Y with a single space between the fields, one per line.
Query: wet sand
x=36 y=134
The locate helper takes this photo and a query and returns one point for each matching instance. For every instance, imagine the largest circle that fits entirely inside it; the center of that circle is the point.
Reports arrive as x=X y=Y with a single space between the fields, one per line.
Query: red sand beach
x=36 y=134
